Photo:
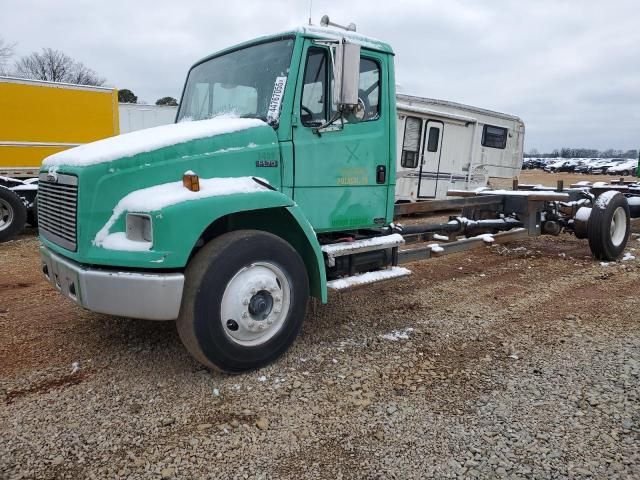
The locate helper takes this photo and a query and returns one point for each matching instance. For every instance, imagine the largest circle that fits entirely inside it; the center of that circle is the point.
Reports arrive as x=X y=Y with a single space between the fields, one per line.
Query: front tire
x=609 y=226
x=13 y=214
x=244 y=301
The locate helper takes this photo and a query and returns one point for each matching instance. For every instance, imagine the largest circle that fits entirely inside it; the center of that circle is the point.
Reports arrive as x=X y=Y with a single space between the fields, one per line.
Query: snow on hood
x=130 y=144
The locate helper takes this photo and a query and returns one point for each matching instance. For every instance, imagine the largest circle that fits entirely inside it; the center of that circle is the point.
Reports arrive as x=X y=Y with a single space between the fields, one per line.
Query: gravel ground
x=516 y=362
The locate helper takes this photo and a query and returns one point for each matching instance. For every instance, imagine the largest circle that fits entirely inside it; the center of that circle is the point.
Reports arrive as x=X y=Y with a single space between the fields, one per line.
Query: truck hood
x=147 y=140
x=111 y=169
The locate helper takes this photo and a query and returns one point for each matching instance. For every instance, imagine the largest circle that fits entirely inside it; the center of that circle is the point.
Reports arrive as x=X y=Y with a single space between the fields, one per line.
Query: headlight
x=139 y=228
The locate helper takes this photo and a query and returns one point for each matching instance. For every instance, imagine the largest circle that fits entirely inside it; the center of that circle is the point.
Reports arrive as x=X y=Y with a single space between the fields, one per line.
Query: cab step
x=367 y=278
x=334 y=250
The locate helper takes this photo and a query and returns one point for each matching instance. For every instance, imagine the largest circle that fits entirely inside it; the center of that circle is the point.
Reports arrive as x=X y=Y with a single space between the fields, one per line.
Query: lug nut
x=245 y=314
x=245 y=301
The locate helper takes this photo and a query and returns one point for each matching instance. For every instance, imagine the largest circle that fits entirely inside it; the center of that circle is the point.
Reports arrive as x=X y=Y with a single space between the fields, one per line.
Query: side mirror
x=346 y=74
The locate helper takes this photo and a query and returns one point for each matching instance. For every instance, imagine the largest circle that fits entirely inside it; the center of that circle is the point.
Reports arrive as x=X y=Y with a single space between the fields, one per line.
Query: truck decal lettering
x=273 y=114
x=266 y=163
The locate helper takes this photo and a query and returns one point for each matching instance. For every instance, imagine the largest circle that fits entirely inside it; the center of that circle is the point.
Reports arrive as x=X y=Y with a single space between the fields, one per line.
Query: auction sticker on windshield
x=273 y=114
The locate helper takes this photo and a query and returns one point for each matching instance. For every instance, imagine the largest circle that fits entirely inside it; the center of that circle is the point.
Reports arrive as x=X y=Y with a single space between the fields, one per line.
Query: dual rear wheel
x=609 y=226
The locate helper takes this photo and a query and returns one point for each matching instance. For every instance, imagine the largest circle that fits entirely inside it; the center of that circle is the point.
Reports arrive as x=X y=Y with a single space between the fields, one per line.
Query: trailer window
x=494 y=137
x=314 y=89
x=432 y=142
x=411 y=142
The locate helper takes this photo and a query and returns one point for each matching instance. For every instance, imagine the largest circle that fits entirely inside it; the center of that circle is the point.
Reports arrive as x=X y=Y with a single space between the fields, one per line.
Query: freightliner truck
x=275 y=184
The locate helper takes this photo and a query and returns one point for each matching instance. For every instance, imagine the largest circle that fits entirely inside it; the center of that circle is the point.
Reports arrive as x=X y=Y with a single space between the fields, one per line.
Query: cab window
x=313 y=106
x=369 y=88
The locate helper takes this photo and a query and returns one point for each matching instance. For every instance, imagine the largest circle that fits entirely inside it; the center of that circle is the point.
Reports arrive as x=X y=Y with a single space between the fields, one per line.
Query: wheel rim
x=618 y=228
x=6 y=214
x=255 y=304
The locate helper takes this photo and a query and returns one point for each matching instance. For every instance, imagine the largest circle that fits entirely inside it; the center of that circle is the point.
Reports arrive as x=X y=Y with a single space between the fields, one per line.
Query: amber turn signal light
x=191 y=181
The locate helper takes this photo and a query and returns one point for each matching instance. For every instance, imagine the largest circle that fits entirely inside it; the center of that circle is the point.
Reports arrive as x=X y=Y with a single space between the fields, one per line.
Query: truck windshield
x=245 y=83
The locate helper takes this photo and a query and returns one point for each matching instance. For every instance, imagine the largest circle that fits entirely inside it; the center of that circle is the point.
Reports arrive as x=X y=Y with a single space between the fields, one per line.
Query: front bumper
x=151 y=296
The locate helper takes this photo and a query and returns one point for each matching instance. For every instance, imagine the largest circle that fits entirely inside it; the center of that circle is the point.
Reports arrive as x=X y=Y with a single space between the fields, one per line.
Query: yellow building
x=40 y=118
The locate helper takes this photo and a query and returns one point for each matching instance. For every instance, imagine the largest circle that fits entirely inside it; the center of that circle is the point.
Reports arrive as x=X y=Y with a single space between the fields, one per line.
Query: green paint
x=323 y=182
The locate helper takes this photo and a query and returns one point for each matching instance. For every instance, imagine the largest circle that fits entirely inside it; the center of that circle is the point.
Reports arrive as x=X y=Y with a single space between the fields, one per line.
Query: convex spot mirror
x=346 y=75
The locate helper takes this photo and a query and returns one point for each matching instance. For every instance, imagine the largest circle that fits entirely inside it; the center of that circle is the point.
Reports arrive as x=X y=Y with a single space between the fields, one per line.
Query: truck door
x=341 y=178
x=430 y=160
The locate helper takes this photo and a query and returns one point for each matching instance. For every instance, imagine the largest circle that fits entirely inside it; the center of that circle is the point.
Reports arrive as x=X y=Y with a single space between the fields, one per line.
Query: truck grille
x=57 y=208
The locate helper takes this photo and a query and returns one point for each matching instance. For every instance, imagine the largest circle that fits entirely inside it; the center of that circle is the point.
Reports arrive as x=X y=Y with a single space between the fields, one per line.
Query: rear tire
x=13 y=214
x=244 y=301
x=609 y=226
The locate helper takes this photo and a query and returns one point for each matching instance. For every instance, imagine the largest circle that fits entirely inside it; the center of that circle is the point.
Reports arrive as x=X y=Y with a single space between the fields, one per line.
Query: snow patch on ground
x=627 y=256
x=436 y=248
x=149 y=139
x=160 y=196
x=444 y=238
x=398 y=335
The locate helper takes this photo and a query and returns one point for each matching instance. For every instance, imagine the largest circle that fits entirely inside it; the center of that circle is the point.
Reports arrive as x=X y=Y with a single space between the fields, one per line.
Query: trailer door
x=430 y=159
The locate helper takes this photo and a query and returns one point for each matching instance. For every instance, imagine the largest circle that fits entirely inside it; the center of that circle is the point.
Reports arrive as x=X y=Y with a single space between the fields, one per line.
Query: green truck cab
x=281 y=145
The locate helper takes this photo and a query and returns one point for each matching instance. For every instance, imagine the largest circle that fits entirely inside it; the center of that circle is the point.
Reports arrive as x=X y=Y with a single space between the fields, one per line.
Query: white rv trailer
x=444 y=145
x=136 y=116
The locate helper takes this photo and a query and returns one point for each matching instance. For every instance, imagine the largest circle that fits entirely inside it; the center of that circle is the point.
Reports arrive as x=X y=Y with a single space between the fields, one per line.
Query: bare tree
x=55 y=66
x=6 y=52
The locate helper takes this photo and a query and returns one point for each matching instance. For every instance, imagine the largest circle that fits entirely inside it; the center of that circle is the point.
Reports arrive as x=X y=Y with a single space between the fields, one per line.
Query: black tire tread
x=19 y=214
x=598 y=229
x=213 y=252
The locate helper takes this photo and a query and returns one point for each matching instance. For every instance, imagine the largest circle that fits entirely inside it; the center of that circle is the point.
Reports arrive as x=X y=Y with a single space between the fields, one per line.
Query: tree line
x=56 y=66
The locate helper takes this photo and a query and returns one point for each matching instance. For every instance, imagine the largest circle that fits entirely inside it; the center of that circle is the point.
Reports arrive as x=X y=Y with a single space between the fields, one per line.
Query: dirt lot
x=520 y=361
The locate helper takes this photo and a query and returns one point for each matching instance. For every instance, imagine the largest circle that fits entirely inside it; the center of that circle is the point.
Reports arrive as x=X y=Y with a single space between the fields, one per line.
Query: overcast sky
x=569 y=69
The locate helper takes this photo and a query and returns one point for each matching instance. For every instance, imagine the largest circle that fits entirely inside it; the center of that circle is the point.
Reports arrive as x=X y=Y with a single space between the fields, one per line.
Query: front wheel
x=609 y=225
x=244 y=301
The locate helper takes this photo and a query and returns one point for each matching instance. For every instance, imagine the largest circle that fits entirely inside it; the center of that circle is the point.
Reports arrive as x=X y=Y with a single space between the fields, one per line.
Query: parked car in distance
x=561 y=166
x=602 y=168
x=587 y=164
x=624 y=168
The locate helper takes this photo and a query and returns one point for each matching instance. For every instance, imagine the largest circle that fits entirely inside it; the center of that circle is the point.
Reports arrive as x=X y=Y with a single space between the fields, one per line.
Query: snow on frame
x=391 y=240
x=368 y=277
x=160 y=196
x=140 y=141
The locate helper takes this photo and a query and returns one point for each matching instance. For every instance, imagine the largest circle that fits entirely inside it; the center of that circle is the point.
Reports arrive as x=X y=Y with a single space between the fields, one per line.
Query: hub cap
x=255 y=304
x=618 y=227
x=6 y=214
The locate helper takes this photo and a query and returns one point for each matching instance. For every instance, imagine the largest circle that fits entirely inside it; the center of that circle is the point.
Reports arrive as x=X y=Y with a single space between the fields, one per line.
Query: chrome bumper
x=151 y=296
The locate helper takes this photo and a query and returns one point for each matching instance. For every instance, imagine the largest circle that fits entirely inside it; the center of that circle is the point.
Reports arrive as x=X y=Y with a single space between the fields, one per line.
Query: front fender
x=179 y=228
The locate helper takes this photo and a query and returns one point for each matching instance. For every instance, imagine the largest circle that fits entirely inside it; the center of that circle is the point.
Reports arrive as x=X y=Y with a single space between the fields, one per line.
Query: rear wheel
x=13 y=214
x=244 y=301
x=609 y=226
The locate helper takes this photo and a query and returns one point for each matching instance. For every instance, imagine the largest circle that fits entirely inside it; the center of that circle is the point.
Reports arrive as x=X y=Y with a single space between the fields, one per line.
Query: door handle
x=381 y=174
